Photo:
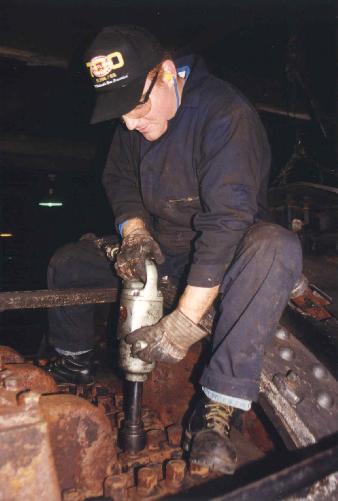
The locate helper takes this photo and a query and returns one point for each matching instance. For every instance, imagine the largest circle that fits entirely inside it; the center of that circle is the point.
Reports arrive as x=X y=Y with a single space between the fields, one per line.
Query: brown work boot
x=207 y=436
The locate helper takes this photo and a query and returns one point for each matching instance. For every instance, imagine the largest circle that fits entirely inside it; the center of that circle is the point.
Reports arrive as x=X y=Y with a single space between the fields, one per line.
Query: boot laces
x=218 y=416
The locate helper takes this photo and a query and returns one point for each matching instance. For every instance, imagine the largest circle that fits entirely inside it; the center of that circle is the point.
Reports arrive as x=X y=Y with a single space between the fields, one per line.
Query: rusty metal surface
x=313 y=304
x=28 y=376
x=170 y=389
x=154 y=475
x=59 y=297
x=82 y=440
x=27 y=469
x=10 y=356
x=298 y=394
x=298 y=391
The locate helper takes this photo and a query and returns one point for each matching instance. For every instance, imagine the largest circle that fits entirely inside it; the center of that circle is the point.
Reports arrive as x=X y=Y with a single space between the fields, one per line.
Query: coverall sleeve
x=120 y=178
x=233 y=149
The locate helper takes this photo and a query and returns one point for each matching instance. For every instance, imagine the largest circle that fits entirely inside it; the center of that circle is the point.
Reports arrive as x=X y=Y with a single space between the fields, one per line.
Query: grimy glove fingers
x=150 y=344
x=167 y=341
x=131 y=269
x=135 y=249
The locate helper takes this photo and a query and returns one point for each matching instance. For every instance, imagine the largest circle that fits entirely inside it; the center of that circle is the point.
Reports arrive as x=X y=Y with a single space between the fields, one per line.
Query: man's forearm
x=195 y=301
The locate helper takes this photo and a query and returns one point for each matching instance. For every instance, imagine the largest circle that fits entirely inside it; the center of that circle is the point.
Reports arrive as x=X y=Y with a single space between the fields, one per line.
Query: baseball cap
x=118 y=61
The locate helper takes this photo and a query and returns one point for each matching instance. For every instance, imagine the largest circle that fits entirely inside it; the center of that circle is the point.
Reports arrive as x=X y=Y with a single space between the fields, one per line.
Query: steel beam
x=18 y=300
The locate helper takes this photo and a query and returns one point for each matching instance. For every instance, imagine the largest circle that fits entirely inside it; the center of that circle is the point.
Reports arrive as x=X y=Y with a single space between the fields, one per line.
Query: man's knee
x=65 y=266
x=272 y=240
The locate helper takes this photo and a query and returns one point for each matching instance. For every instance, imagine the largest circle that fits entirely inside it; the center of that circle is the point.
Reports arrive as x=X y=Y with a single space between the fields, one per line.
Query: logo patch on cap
x=102 y=68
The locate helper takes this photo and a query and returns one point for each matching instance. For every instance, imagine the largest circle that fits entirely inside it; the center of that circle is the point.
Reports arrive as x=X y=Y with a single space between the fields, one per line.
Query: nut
x=154 y=439
x=147 y=479
x=115 y=486
x=175 y=472
x=175 y=434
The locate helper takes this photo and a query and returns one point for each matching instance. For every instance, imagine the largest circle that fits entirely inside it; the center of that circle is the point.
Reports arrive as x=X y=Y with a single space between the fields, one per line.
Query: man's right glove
x=167 y=341
x=136 y=247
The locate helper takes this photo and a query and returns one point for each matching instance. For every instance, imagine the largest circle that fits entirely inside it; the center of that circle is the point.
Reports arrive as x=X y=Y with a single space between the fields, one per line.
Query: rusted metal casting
x=27 y=468
x=65 y=442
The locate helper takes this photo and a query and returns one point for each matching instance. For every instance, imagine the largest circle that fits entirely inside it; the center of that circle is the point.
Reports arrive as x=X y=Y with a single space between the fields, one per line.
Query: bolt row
x=324 y=399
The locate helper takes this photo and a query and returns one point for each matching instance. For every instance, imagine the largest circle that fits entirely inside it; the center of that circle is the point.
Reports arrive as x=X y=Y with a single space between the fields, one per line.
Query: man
x=187 y=177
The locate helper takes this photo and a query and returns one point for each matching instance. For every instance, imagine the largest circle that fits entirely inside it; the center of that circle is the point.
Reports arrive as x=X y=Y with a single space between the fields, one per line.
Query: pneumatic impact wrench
x=140 y=305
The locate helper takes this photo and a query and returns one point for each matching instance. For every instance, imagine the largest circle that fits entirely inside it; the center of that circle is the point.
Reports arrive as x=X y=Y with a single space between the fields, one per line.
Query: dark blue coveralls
x=202 y=190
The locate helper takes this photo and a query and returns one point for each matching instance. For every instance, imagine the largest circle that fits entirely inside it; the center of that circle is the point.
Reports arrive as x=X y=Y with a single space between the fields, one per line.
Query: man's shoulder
x=217 y=95
x=209 y=93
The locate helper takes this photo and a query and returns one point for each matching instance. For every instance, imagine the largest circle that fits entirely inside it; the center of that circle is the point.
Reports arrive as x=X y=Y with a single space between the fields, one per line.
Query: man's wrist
x=182 y=332
x=195 y=301
x=130 y=225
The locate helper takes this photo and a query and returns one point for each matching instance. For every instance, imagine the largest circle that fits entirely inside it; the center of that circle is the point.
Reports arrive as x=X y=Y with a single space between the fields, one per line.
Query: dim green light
x=50 y=204
x=51 y=200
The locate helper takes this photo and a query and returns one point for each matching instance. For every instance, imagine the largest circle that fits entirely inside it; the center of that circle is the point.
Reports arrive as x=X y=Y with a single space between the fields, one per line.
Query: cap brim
x=118 y=102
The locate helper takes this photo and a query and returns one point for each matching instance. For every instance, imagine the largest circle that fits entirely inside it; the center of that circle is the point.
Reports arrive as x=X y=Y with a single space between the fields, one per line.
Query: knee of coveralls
x=70 y=265
x=73 y=265
x=256 y=288
x=274 y=241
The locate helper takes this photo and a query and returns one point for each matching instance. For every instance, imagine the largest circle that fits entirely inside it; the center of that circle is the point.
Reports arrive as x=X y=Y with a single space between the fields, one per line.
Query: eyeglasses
x=144 y=106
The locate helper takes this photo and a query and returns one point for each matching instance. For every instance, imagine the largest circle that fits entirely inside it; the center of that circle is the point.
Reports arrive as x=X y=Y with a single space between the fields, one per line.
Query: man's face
x=151 y=119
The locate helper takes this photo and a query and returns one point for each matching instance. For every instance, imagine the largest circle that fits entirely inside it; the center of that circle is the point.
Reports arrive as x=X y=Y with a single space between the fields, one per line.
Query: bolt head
x=324 y=400
x=286 y=354
x=319 y=371
x=282 y=334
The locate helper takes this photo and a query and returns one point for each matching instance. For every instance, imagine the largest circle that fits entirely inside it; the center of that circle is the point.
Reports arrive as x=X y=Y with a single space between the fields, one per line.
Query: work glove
x=167 y=341
x=136 y=247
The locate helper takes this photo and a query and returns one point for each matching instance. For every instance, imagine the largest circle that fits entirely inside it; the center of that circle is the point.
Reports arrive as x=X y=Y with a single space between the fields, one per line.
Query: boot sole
x=213 y=464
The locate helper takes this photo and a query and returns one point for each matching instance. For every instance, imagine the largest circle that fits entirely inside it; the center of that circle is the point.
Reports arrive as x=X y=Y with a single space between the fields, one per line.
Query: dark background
x=282 y=54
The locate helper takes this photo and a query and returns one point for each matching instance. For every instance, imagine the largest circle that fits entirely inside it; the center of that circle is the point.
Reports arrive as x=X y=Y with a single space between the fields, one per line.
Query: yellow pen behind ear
x=167 y=77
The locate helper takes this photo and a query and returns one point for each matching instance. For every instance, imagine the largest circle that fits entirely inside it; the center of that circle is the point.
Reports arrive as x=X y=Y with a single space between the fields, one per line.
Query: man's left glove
x=167 y=341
